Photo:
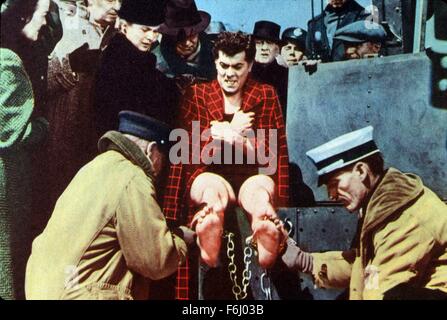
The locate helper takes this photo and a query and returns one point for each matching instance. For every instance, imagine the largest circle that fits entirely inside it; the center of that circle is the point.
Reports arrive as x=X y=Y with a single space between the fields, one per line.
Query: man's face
x=158 y=159
x=292 y=54
x=347 y=187
x=104 y=12
x=142 y=37
x=337 y=3
x=38 y=20
x=188 y=46
x=362 y=50
x=232 y=72
x=266 y=51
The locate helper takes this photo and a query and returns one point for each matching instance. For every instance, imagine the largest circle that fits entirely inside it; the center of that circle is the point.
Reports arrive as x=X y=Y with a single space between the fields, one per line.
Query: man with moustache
x=362 y=39
x=320 y=42
x=185 y=51
x=401 y=243
x=266 y=68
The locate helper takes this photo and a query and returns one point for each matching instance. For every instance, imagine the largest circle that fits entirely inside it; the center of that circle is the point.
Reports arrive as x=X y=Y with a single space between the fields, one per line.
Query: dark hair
x=232 y=43
x=16 y=14
x=375 y=163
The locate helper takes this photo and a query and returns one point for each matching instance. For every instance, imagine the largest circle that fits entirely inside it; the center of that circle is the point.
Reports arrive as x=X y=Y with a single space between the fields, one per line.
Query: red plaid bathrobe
x=205 y=103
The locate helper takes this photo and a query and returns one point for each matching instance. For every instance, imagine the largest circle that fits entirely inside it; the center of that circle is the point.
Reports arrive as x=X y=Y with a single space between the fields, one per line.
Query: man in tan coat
x=107 y=237
x=402 y=240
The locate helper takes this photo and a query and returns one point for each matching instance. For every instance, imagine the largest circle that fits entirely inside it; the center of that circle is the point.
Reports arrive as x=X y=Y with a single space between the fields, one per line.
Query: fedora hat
x=183 y=15
x=267 y=30
x=144 y=12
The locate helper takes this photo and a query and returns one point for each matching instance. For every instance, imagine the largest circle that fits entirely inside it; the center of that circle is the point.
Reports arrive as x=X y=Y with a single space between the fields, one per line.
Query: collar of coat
x=252 y=95
x=116 y=141
x=123 y=49
x=395 y=192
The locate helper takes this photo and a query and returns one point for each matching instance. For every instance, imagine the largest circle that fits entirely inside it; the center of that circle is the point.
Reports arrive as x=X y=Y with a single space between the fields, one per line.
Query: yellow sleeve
x=333 y=269
x=149 y=247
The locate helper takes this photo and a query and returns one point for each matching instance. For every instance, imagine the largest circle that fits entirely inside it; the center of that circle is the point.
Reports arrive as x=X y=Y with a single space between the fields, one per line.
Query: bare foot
x=214 y=191
x=268 y=239
x=209 y=230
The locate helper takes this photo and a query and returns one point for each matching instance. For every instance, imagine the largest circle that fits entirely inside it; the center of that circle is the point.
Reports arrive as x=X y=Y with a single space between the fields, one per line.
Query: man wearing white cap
x=402 y=240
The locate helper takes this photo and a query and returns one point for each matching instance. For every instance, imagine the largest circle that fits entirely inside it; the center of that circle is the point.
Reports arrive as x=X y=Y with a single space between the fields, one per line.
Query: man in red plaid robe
x=224 y=111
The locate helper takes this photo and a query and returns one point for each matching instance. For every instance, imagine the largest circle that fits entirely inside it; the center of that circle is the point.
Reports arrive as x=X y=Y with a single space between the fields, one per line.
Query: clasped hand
x=232 y=131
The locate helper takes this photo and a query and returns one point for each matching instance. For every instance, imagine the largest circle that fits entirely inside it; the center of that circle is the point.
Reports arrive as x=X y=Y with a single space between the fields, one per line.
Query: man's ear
x=362 y=170
x=123 y=27
x=150 y=148
x=376 y=47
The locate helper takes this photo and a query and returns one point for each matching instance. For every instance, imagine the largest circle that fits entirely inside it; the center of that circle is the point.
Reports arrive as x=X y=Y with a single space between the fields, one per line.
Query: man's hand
x=84 y=59
x=311 y=66
x=309 y=63
x=224 y=131
x=189 y=236
x=242 y=121
x=296 y=259
x=221 y=129
x=232 y=132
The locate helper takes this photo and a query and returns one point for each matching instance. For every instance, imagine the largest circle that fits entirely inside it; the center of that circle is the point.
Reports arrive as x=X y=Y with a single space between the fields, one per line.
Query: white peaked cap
x=343 y=151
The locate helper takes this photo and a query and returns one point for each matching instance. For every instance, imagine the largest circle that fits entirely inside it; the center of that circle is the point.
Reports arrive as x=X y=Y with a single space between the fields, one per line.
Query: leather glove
x=296 y=259
x=187 y=235
x=83 y=59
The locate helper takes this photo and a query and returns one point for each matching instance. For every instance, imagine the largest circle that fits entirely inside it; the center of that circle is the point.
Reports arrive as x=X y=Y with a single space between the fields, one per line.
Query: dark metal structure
x=392 y=93
x=403 y=95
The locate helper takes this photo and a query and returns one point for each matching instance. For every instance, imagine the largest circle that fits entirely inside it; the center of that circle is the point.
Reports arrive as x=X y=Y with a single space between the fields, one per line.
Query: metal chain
x=239 y=293
x=266 y=289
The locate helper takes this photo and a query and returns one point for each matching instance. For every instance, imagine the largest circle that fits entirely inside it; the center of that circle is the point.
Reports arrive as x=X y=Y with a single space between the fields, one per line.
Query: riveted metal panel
x=321 y=229
x=392 y=93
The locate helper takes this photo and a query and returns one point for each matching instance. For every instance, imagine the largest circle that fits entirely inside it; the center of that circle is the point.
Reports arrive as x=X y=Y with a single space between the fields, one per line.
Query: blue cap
x=343 y=151
x=361 y=31
x=144 y=127
x=295 y=35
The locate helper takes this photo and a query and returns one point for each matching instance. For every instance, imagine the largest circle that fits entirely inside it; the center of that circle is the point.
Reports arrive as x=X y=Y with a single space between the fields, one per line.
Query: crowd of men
x=119 y=76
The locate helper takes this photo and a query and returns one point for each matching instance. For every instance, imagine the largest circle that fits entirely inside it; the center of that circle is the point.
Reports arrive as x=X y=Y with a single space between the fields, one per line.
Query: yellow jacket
x=403 y=239
x=107 y=237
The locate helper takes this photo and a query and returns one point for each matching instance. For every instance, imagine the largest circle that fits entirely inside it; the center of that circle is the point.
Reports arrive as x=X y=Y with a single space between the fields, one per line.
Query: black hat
x=295 y=35
x=183 y=15
x=144 y=127
x=145 y=12
x=267 y=30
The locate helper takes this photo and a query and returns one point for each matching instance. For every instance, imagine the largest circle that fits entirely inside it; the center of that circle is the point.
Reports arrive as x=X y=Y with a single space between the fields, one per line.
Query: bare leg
x=216 y=193
x=256 y=197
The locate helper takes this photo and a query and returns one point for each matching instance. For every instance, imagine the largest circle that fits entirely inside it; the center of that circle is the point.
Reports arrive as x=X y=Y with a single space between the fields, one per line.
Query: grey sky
x=242 y=14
